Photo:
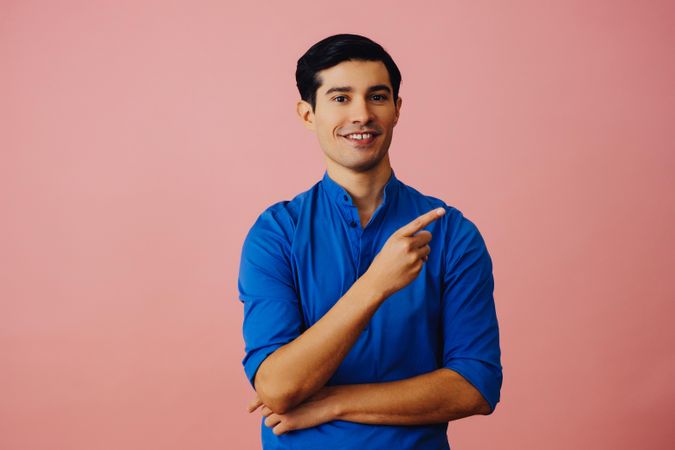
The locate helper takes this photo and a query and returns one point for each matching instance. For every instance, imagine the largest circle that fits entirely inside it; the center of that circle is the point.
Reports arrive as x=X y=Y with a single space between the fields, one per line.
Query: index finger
x=421 y=222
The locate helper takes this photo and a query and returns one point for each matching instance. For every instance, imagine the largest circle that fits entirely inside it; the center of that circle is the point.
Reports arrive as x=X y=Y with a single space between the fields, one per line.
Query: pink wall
x=139 y=143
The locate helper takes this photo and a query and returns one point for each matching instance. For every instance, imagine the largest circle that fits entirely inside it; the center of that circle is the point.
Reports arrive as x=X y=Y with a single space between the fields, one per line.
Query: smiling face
x=354 y=96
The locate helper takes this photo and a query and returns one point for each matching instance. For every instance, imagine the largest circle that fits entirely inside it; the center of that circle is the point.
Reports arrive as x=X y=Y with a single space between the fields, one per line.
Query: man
x=362 y=330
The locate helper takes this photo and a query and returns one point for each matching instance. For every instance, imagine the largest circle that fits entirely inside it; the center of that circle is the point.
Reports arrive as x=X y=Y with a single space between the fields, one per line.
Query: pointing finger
x=421 y=238
x=421 y=222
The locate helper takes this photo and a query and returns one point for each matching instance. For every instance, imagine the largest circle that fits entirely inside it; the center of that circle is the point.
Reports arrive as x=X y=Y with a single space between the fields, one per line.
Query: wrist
x=333 y=403
x=371 y=290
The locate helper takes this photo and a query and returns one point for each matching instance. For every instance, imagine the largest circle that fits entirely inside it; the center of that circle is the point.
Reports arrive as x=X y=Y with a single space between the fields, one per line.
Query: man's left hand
x=317 y=409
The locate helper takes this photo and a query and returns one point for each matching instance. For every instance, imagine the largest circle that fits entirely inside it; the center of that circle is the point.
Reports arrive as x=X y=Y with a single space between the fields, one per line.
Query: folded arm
x=435 y=397
x=300 y=368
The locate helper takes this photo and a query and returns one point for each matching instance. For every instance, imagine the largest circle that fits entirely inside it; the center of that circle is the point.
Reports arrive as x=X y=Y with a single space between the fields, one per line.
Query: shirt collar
x=342 y=197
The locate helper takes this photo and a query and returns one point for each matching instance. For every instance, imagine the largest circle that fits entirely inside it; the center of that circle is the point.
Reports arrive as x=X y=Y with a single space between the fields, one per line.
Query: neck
x=366 y=188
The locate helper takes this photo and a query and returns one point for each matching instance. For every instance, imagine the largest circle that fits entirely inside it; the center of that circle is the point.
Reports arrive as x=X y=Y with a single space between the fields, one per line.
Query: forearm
x=300 y=368
x=436 y=397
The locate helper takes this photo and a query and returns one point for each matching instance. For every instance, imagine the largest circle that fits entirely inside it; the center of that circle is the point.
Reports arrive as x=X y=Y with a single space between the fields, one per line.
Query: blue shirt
x=301 y=256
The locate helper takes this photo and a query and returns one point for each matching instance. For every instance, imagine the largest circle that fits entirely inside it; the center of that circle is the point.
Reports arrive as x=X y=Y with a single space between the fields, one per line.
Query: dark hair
x=334 y=50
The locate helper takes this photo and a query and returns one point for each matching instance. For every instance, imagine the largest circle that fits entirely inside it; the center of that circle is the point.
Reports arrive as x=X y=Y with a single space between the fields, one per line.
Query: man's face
x=355 y=96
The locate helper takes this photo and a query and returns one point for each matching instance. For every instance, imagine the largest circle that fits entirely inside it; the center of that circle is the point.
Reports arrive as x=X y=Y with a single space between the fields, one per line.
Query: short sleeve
x=470 y=327
x=272 y=315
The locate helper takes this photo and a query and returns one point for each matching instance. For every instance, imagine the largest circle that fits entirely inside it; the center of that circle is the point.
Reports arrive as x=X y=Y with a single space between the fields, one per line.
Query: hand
x=315 y=410
x=402 y=256
x=255 y=403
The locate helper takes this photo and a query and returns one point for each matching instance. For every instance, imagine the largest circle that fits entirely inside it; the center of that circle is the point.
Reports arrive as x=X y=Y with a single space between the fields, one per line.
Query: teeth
x=360 y=136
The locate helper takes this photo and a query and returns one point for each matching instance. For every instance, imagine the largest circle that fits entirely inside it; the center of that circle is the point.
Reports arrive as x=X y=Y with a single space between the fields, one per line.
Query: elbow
x=279 y=404
x=483 y=407
x=277 y=398
x=477 y=403
x=469 y=399
x=480 y=403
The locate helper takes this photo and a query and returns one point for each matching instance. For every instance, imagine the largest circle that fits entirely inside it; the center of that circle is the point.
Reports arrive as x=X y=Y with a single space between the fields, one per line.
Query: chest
x=328 y=260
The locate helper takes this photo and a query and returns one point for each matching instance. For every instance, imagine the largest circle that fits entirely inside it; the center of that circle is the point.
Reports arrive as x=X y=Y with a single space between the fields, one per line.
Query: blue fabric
x=302 y=255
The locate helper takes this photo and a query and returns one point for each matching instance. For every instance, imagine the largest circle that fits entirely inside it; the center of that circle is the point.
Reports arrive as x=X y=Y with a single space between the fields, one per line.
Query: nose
x=360 y=112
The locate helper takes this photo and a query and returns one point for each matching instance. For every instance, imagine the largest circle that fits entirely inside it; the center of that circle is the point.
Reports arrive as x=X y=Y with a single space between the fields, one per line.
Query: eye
x=383 y=97
x=339 y=96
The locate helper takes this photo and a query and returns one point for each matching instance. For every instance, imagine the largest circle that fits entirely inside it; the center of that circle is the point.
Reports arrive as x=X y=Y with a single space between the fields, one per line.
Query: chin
x=364 y=165
x=357 y=162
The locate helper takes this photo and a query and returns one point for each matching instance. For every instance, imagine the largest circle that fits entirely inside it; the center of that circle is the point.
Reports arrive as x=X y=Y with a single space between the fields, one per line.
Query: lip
x=362 y=132
x=361 y=144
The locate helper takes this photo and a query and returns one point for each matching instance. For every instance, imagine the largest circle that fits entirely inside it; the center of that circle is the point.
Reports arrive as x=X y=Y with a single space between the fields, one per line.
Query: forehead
x=356 y=74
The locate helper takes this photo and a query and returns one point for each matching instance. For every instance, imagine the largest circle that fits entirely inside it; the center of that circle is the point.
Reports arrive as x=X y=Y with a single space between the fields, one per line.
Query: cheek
x=329 y=135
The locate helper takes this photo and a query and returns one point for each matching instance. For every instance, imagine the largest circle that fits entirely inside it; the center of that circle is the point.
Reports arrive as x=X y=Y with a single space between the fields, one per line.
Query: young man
x=362 y=330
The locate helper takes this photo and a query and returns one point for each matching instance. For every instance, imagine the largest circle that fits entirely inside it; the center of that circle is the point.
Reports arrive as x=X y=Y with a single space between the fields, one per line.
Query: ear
x=399 y=102
x=305 y=114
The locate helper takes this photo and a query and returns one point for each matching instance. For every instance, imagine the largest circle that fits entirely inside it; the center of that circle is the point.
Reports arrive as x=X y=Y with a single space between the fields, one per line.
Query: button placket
x=354 y=230
x=364 y=246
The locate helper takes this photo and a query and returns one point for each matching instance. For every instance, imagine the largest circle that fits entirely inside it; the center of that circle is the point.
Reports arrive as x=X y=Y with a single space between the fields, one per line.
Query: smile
x=360 y=140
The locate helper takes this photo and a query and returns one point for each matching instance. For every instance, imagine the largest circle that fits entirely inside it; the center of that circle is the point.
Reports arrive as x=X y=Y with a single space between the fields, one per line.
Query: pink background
x=140 y=140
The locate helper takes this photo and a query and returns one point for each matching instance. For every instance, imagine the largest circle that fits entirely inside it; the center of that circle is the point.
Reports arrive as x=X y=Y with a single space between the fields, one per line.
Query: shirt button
x=345 y=197
x=353 y=224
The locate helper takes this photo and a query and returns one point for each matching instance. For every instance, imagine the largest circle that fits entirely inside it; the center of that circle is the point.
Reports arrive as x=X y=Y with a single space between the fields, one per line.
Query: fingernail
x=440 y=211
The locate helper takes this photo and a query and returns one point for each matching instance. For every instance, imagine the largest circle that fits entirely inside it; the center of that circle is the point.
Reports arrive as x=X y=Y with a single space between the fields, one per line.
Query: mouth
x=361 y=140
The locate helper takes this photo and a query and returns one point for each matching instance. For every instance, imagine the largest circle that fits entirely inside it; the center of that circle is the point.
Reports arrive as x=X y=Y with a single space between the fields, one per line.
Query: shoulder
x=459 y=233
x=275 y=219
x=453 y=221
x=277 y=223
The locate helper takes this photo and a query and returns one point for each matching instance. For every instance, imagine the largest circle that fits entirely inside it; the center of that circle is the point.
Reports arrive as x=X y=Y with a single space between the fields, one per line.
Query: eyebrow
x=377 y=87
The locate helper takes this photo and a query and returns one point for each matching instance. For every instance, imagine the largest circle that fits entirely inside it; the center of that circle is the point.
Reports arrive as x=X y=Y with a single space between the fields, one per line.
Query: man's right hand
x=402 y=256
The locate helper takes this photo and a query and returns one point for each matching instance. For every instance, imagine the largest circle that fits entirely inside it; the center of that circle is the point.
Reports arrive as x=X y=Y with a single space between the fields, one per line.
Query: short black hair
x=333 y=50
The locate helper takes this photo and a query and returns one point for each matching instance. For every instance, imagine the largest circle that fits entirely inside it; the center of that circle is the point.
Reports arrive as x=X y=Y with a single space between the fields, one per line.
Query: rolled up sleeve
x=272 y=316
x=470 y=328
